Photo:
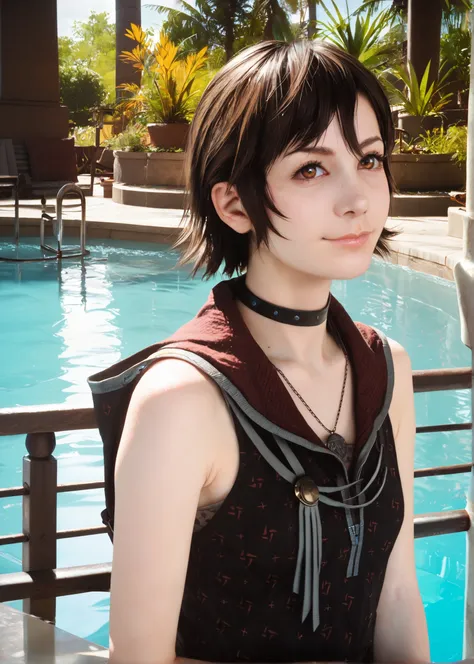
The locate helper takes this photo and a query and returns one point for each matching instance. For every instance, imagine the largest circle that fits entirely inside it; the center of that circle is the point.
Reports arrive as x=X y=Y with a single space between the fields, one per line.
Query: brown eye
x=311 y=171
x=371 y=162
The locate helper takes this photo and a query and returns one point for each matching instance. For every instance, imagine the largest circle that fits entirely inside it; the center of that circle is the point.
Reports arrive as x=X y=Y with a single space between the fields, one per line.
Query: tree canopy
x=92 y=46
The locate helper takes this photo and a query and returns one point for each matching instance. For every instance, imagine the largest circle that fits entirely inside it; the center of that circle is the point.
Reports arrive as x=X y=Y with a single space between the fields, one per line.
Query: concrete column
x=424 y=35
x=29 y=104
x=126 y=12
x=29 y=51
x=464 y=275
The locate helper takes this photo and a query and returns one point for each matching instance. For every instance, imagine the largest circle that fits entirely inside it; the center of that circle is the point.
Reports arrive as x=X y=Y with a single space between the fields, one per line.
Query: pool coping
x=422 y=244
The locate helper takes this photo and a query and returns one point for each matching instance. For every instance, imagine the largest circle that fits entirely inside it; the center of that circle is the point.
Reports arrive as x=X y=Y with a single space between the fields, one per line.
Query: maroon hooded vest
x=272 y=578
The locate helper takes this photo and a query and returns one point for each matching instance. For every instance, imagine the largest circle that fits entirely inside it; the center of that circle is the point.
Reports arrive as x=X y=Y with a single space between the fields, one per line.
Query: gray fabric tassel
x=309 y=548
x=310 y=536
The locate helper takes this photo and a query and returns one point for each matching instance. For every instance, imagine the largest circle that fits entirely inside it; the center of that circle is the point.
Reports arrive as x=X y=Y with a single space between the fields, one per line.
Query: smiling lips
x=351 y=240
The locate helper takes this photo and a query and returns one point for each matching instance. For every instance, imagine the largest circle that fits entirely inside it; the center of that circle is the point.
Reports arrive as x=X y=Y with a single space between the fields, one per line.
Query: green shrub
x=453 y=140
x=132 y=139
x=439 y=141
x=81 y=89
x=84 y=136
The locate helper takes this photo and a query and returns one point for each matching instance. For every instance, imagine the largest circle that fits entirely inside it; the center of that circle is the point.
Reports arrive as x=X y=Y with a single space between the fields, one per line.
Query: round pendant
x=306 y=491
x=336 y=444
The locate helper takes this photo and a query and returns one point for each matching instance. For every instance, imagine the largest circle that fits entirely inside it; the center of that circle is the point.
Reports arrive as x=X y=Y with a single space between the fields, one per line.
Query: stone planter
x=415 y=125
x=165 y=168
x=426 y=172
x=130 y=167
x=149 y=169
x=171 y=135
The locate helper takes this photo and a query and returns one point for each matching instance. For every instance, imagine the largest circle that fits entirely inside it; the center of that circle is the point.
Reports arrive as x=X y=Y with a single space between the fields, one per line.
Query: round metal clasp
x=306 y=491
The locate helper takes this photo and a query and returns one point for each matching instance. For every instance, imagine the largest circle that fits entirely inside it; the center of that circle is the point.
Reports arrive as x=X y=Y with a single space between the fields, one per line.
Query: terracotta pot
x=106 y=184
x=166 y=169
x=171 y=135
x=426 y=172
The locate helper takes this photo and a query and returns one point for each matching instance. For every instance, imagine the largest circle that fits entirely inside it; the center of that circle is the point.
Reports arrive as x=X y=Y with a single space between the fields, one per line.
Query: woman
x=264 y=479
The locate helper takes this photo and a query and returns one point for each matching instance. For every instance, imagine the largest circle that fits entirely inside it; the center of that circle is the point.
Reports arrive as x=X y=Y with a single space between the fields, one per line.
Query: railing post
x=39 y=516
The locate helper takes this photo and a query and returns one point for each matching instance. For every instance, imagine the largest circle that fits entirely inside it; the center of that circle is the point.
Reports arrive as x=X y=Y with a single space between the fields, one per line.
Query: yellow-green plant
x=451 y=141
x=362 y=37
x=170 y=83
x=419 y=97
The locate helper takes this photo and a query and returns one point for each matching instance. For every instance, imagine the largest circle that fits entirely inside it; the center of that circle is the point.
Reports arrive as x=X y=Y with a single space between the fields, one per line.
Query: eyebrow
x=328 y=151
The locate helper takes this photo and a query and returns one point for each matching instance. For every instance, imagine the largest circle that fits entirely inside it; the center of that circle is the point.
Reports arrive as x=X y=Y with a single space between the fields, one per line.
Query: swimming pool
x=62 y=323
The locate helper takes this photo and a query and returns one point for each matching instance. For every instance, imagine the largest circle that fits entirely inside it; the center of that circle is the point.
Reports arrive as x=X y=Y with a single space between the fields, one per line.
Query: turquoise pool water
x=59 y=324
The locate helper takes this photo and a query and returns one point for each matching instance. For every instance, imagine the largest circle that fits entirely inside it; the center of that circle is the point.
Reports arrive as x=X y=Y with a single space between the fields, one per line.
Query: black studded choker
x=277 y=313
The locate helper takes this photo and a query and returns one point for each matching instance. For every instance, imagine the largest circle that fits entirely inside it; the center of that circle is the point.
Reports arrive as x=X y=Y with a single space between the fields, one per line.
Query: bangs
x=297 y=95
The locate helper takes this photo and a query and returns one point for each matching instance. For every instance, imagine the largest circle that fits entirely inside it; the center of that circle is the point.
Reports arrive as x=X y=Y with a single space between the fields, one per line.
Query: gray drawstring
x=310 y=539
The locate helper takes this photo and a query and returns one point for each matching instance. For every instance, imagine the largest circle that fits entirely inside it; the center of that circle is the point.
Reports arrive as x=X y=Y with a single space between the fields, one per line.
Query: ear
x=229 y=207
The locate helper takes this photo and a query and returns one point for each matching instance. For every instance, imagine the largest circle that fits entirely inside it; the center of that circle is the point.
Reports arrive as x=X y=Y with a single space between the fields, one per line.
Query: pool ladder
x=59 y=253
x=58 y=225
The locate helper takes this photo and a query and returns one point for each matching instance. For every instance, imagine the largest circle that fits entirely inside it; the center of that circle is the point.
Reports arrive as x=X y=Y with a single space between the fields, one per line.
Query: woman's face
x=327 y=193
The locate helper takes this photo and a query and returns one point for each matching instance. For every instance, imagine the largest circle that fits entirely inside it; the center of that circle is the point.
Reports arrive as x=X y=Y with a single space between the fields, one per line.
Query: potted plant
x=130 y=155
x=433 y=162
x=167 y=94
x=420 y=102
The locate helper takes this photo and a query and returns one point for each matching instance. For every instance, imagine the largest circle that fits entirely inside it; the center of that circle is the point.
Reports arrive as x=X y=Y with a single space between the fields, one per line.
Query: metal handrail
x=58 y=223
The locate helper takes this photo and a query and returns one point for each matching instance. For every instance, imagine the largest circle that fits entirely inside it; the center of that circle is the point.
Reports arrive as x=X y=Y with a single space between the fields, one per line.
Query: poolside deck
x=26 y=639
x=423 y=243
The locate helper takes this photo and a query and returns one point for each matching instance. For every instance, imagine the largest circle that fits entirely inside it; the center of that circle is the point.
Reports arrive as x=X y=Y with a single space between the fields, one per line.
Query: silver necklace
x=335 y=442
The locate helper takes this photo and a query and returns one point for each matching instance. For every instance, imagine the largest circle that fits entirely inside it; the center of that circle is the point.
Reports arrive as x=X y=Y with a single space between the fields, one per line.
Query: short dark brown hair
x=268 y=98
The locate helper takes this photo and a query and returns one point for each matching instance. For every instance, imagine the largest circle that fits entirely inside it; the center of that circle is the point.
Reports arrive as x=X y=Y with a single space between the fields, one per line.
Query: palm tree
x=451 y=7
x=227 y=23
x=210 y=23
x=312 y=18
x=427 y=19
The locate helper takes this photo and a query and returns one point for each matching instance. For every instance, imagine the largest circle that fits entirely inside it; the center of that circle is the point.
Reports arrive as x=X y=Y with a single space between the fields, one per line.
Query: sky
x=79 y=10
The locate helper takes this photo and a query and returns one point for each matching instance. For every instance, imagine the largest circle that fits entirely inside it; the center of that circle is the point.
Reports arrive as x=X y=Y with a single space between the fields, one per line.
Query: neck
x=289 y=344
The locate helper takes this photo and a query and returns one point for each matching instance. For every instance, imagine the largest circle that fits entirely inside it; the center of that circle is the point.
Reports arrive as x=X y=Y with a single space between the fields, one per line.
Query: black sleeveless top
x=270 y=578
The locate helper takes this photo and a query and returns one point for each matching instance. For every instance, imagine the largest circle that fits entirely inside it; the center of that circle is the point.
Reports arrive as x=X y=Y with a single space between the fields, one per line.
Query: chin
x=352 y=268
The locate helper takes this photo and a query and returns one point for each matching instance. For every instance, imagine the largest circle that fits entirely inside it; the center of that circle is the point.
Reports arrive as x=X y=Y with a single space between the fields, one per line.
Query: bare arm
x=170 y=448
x=165 y=460
x=400 y=631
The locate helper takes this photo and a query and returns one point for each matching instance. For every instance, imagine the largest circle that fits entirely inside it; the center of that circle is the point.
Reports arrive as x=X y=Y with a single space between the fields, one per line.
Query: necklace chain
x=295 y=391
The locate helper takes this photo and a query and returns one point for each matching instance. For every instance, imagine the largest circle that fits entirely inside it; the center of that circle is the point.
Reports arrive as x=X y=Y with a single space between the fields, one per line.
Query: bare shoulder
x=402 y=367
x=173 y=392
x=175 y=378
x=401 y=359
x=177 y=406
x=402 y=409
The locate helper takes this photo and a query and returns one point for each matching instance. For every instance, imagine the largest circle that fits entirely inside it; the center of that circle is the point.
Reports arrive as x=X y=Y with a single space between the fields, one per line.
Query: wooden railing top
x=60 y=417
x=437 y=380
x=43 y=419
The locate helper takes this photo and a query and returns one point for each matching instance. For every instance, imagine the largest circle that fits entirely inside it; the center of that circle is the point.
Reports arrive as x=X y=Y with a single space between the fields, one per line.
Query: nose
x=352 y=201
